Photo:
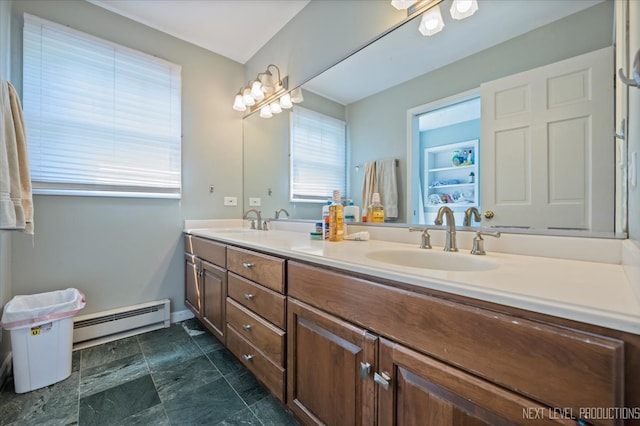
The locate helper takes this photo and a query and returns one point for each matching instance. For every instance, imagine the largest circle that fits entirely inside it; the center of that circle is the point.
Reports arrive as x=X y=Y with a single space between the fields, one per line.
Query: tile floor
x=179 y=375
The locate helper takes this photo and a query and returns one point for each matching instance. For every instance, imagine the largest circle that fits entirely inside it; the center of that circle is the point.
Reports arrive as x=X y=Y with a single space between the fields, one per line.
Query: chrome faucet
x=478 y=241
x=450 y=242
x=425 y=241
x=281 y=211
x=467 y=216
x=258 y=214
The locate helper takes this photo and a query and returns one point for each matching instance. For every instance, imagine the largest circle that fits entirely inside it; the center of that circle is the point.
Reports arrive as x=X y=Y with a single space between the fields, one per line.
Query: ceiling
x=236 y=29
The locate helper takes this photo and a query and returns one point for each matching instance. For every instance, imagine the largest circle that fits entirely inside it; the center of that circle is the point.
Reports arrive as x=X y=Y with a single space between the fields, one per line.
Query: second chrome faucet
x=450 y=241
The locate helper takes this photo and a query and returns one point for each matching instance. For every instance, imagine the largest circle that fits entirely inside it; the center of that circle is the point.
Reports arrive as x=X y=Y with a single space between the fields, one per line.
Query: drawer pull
x=248 y=296
x=247 y=358
x=382 y=379
x=246 y=327
x=365 y=369
x=247 y=265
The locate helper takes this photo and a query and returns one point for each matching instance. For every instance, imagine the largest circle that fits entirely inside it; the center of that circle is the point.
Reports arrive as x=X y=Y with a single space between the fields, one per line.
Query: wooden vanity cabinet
x=255 y=319
x=206 y=283
x=437 y=361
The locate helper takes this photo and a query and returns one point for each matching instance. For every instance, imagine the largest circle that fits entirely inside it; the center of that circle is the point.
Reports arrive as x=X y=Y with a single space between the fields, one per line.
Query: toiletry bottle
x=376 y=210
x=325 y=219
x=351 y=213
x=336 y=218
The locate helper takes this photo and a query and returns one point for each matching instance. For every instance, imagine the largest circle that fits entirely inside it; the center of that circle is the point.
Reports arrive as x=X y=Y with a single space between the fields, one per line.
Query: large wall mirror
x=386 y=91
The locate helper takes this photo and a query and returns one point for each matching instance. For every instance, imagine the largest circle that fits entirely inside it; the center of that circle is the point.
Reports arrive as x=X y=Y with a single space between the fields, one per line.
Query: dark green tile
x=269 y=411
x=105 y=376
x=243 y=418
x=174 y=333
x=56 y=404
x=206 y=405
x=109 y=352
x=207 y=342
x=178 y=378
x=160 y=354
x=193 y=325
x=249 y=389
x=225 y=362
x=154 y=416
x=118 y=403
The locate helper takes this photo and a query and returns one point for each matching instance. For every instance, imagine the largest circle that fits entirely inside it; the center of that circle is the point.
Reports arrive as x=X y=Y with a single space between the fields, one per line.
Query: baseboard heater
x=101 y=327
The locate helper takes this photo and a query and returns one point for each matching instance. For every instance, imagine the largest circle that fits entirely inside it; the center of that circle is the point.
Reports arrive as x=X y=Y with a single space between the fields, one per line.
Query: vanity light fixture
x=267 y=94
x=431 y=22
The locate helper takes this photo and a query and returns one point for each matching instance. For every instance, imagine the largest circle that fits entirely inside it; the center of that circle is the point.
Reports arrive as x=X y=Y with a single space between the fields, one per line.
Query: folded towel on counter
x=16 y=203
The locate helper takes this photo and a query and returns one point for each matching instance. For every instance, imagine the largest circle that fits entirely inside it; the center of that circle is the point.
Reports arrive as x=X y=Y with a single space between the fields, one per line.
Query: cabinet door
x=192 y=286
x=325 y=355
x=214 y=288
x=422 y=391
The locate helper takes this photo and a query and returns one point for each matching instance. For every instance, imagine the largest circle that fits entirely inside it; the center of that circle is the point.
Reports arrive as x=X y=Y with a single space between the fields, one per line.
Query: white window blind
x=101 y=119
x=318 y=156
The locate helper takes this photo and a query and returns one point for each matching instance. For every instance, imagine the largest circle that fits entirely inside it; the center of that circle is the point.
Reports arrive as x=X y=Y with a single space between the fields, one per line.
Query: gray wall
x=121 y=251
x=388 y=109
x=634 y=124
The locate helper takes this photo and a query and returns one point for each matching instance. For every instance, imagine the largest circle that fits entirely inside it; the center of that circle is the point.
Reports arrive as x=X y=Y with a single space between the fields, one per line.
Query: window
x=101 y=119
x=318 y=156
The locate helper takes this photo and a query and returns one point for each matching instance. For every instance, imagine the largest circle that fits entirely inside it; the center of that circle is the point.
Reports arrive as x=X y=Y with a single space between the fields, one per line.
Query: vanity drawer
x=263 y=269
x=205 y=249
x=261 y=333
x=272 y=375
x=555 y=365
x=266 y=303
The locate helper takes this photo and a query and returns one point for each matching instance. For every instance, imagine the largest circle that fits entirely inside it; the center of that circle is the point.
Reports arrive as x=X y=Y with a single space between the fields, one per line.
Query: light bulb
x=431 y=22
x=461 y=9
x=265 y=112
x=267 y=82
x=402 y=4
x=275 y=107
x=285 y=101
x=256 y=91
x=238 y=103
x=296 y=95
x=247 y=98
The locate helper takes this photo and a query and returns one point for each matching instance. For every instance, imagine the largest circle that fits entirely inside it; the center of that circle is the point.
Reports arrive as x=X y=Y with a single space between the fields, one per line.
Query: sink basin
x=232 y=230
x=429 y=259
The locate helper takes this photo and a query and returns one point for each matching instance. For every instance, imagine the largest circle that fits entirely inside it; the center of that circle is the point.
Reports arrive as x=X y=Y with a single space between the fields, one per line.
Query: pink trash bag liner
x=35 y=309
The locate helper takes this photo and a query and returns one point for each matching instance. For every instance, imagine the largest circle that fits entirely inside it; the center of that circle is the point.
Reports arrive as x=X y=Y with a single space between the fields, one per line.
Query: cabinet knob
x=247 y=265
x=488 y=214
x=247 y=357
x=383 y=379
x=246 y=327
x=248 y=296
x=365 y=369
x=200 y=273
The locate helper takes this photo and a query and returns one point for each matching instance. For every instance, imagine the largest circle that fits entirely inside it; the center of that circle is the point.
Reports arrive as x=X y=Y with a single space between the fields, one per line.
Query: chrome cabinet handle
x=200 y=273
x=382 y=379
x=365 y=369
x=246 y=327
x=247 y=357
x=248 y=296
x=247 y=265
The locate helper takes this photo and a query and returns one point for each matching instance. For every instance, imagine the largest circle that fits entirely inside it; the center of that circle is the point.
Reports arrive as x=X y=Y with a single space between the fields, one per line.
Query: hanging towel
x=16 y=203
x=388 y=186
x=369 y=185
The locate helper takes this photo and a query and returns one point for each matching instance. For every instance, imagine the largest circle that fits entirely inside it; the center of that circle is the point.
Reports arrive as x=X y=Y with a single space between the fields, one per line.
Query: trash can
x=41 y=327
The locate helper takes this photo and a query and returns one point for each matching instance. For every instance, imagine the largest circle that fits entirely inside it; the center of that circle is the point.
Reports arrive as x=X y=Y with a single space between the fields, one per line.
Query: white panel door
x=547 y=146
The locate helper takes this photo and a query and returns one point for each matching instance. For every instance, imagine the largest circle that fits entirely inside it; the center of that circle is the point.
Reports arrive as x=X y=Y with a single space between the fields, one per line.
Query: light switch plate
x=230 y=201
x=255 y=201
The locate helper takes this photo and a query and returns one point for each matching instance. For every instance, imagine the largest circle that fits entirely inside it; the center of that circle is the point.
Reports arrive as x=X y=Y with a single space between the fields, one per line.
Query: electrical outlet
x=255 y=201
x=230 y=201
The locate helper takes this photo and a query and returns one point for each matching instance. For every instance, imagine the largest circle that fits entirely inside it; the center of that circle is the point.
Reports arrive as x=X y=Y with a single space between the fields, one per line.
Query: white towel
x=16 y=204
x=369 y=185
x=388 y=186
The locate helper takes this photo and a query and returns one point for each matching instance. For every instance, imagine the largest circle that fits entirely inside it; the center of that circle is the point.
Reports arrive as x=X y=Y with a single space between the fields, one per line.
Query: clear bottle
x=325 y=219
x=376 y=210
x=351 y=213
x=336 y=218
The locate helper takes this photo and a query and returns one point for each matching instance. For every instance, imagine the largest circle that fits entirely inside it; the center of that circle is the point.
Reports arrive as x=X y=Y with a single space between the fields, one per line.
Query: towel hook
x=635 y=81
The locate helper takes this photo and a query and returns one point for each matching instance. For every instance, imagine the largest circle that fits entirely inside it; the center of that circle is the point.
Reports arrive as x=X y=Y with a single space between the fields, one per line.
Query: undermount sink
x=430 y=259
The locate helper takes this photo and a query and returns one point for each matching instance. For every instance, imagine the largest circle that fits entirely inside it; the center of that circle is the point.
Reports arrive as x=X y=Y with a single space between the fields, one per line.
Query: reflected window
x=318 y=159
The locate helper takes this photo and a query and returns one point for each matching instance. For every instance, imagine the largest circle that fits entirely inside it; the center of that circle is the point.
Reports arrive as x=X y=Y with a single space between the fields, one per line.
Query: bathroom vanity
x=342 y=338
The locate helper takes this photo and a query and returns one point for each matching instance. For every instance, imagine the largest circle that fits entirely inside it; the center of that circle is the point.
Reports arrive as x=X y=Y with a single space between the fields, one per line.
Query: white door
x=547 y=146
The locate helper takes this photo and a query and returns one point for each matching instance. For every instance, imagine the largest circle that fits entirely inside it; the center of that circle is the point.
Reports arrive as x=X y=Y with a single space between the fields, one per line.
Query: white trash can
x=41 y=328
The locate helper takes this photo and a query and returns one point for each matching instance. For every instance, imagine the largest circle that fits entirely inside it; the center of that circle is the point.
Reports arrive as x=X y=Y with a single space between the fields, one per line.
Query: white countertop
x=590 y=292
